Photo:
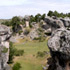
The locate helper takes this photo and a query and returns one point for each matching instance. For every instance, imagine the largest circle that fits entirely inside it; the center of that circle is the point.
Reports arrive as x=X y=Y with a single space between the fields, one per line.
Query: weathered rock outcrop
x=33 y=34
x=53 y=23
x=5 y=34
x=66 y=22
x=59 y=45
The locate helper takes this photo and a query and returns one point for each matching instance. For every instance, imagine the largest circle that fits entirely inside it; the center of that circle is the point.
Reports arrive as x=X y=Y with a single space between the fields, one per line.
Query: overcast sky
x=10 y=8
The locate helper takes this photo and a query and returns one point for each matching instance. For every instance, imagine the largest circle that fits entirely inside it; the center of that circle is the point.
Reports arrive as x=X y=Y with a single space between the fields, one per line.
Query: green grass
x=29 y=61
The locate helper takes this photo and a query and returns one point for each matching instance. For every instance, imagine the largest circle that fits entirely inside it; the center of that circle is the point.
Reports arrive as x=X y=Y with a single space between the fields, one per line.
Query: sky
x=10 y=8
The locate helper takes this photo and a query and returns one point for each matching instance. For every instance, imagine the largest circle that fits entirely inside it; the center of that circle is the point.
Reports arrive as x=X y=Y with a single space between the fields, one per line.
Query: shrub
x=11 y=53
x=20 y=32
x=40 y=54
x=19 y=52
x=5 y=50
x=26 y=32
x=7 y=23
x=16 y=66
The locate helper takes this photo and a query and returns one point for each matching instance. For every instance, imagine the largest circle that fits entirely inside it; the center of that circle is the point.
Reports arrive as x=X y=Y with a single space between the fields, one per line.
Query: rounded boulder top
x=4 y=29
x=5 y=33
x=60 y=41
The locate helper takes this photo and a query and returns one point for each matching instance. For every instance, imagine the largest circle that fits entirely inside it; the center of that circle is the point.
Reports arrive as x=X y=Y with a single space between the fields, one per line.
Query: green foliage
x=7 y=23
x=15 y=23
x=68 y=14
x=29 y=60
x=23 y=22
x=55 y=13
x=40 y=38
x=43 y=16
x=5 y=50
x=11 y=53
x=32 y=19
x=16 y=66
x=50 y=13
x=41 y=54
x=38 y=17
x=19 y=52
x=15 y=20
x=20 y=32
x=26 y=31
x=14 y=52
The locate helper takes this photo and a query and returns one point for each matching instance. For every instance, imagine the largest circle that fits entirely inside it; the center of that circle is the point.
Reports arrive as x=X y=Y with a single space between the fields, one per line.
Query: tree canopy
x=57 y=14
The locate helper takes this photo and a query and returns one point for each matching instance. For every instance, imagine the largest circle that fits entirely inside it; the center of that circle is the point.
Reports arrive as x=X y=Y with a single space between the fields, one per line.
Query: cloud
x=11 y=2
x=10 y=8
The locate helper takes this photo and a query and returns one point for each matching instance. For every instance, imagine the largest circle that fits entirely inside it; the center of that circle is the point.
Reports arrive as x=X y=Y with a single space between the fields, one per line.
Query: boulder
x=35 y=25
x=53 y=23
x=59 y=45
x=66 y=22
x=5 y=34
x=33 y=34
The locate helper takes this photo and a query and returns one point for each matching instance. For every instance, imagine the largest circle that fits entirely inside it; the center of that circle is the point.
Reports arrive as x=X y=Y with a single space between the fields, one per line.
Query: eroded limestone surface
x=5 y=34
x=59 y=45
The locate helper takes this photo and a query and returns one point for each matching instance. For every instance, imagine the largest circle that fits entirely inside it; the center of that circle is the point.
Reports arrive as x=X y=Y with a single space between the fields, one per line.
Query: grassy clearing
x=29 y=61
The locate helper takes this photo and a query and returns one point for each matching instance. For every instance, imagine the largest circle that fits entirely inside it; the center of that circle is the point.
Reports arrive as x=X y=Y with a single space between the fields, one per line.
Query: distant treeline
x=57 y=14
x=16 y=21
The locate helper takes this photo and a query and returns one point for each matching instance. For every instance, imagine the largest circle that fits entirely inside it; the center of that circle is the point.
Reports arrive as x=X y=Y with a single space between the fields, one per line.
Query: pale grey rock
x=26 y=17
x=33 y=34
x=5 y=34
x=35 y=25
x=60 y=40
x=13 y=39
x=53 y=23
x=66 y=22
x=59 y=45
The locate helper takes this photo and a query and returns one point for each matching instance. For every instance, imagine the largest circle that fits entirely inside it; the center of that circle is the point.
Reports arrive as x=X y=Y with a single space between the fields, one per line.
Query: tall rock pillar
x=5 y=34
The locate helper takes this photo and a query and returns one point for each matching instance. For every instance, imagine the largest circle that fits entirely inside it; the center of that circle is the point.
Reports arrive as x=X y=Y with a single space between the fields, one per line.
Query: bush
x=11 y=53
x=7 y=23
x=19 y=52
x=40 y=54
x=5 y=50
x=40 y=38
x=16 y=66
x=26 y=32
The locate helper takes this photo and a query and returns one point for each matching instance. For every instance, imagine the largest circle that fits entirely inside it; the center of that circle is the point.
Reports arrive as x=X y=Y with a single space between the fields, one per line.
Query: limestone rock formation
x=66 y=22
x=33 y=34
x=5 y=34
x=53 y=23
x=59 y=45
x=27 y=18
